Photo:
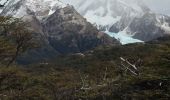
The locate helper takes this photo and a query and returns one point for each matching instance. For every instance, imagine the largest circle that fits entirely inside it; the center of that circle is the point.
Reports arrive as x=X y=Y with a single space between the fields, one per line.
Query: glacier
x=123 y=37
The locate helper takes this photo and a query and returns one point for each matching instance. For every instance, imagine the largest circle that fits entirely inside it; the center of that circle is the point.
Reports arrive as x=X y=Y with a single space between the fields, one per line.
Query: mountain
x=147 y=27
x=69 y=32
x=131 y=17
x=104 y=13
x=58 y=27
x=41 y=8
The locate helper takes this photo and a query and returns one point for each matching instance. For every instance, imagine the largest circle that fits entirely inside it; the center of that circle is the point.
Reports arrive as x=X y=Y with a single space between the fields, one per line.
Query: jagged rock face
x=59 y=27
x=121 y=24
x=147 y=27
x=69 y=32
x=131 y=17
x=105 y=13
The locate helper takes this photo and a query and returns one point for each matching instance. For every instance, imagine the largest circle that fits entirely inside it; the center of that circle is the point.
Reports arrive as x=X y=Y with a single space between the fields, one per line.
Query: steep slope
x=69 y=32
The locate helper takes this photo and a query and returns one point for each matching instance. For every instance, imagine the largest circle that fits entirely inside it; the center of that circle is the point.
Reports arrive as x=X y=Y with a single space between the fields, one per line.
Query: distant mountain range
x=131 y=17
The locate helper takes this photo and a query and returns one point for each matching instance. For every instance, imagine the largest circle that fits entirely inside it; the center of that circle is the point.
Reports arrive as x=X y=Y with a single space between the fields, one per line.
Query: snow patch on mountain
x=41 y=8
x=106 y=12
x=100 y=20
x=163 y=24
x=44 y=5
x=21 y=12
x=166 y=27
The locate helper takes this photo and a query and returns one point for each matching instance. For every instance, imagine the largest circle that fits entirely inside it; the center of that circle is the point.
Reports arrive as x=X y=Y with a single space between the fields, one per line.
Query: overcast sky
x=159 y=6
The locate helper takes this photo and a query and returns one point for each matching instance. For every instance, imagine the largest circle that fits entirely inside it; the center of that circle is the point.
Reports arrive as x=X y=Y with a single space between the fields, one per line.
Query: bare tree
x=132 y=68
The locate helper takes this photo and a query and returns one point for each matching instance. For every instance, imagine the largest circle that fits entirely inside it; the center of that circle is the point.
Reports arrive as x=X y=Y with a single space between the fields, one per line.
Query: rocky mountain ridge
x=59 y=27
x=131 y=17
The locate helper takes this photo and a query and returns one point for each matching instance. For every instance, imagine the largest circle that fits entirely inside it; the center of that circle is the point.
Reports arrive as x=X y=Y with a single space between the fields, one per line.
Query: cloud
x=158 y=6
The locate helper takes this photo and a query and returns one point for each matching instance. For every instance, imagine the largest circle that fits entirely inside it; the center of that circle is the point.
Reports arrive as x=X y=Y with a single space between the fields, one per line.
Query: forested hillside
x=135 y=71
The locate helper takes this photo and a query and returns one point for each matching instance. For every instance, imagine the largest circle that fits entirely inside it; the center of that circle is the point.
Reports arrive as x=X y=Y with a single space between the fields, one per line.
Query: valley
x=83 y=50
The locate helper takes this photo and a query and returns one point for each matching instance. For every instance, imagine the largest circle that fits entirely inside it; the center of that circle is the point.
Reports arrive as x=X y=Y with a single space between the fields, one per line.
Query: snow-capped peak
x=105 y=13
x=41 y=8
x=44 y=5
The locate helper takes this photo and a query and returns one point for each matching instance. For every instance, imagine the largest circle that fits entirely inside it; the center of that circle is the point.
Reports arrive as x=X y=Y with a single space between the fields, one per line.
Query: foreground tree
x=15 y=37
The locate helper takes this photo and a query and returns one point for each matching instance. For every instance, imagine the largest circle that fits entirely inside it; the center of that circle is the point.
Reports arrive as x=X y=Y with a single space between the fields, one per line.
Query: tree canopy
x=15 y=38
